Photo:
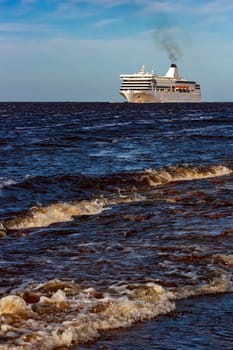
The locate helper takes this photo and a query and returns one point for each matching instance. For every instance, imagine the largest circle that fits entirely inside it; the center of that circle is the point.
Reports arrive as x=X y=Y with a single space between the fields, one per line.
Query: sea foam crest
x=60 y=314
x=63 y=314
x=6 y=182
x=42 y=216
x=183 y=173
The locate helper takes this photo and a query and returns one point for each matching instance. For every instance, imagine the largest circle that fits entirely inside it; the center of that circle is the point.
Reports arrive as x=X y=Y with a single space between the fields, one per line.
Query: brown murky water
x=116 y=226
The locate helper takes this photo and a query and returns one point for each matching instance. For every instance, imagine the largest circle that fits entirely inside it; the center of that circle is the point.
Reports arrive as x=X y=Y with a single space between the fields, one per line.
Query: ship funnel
x=172 y=72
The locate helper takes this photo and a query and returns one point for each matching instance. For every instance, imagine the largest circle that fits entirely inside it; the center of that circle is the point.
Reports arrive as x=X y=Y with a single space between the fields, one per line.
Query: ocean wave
x=57 y=313
x=183 y=173
x=63 y=313
x=39 y=216
x=5 y=182
x=118 y=189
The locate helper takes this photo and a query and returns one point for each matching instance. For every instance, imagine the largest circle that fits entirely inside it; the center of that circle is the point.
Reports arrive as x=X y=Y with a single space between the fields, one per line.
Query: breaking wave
x=57 y=313
x=63 y=313
x=183 y=173
x=125 y=188
x=4 y=182
x=40 y=216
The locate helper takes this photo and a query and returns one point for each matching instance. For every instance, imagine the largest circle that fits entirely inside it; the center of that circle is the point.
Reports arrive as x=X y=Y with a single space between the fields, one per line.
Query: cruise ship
x=143 y=87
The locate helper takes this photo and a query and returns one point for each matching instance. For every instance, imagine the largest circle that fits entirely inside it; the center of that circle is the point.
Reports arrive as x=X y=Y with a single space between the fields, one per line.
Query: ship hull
x=154 y=97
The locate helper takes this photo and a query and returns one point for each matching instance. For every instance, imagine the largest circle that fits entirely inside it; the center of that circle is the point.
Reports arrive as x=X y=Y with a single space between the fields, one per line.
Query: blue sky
x=73 y=50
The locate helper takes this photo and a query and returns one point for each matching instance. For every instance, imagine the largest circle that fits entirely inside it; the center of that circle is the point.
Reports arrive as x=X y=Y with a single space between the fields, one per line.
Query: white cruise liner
x=143 y=87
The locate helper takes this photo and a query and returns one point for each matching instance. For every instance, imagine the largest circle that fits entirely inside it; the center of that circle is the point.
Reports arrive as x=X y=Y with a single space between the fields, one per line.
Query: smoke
x=165 y=39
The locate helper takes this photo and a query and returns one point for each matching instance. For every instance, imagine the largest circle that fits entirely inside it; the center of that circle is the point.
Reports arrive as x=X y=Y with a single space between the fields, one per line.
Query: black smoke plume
x=166 y=41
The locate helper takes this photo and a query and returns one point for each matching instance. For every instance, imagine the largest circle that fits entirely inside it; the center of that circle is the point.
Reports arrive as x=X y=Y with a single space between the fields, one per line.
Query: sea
x=116 y=226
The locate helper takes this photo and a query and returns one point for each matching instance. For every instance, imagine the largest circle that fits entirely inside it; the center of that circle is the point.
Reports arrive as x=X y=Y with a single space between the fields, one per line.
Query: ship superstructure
x=143 y=87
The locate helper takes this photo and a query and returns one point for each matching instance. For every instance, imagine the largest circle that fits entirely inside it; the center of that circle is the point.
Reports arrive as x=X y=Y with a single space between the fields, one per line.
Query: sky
x=74 y=50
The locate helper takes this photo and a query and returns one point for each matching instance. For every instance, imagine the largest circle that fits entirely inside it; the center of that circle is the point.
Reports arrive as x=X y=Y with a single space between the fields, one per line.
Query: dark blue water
x=116 y=226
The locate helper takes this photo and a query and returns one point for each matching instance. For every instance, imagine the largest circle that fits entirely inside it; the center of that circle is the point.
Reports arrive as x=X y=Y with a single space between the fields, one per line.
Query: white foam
x=183 y=173
x=56 y=313
x=13 y=304
x=87 y=313
x=4 y=182
x=41 y=216
x=221 y=284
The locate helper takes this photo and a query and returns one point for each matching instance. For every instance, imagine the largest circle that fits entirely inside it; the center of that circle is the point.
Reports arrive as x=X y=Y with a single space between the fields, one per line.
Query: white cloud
x=18 y=27
x=149 y=6
x=106 y=22
x=215 y=7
